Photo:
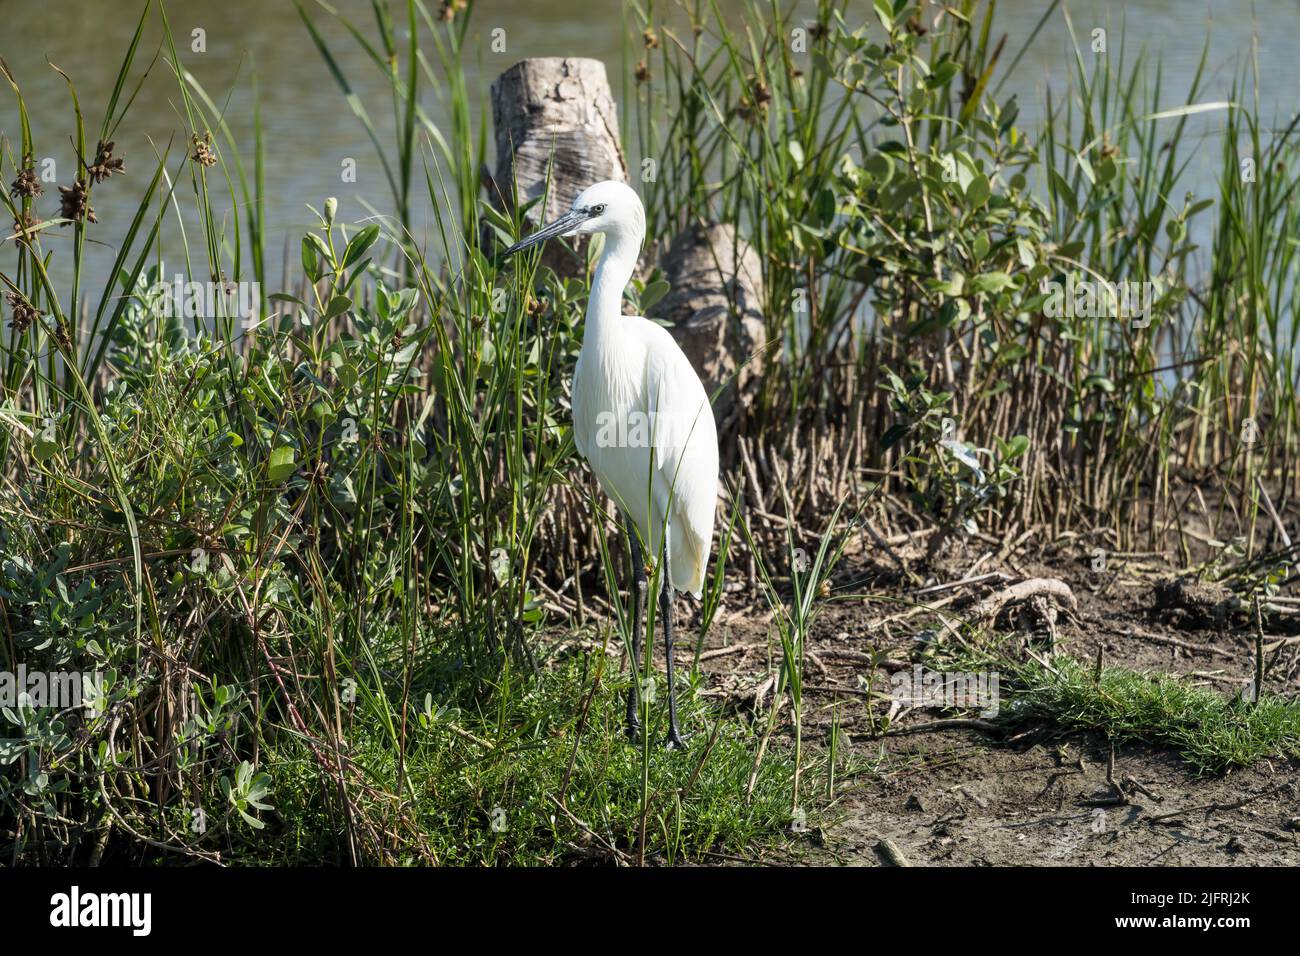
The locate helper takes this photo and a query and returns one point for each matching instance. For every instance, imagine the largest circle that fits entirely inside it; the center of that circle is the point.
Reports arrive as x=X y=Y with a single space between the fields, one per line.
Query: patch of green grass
x=539 y=777
x=1210 y=730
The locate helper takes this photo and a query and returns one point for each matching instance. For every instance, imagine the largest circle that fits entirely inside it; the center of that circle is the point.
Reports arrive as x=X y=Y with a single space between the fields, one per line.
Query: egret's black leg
x=675 y=741
x=639 y=587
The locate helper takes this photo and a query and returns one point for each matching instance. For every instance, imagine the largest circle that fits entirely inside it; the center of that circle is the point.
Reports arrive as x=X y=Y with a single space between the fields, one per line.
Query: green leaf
x=1085 y=167
x=1064 y=191
x=879 y=166
x=337 y=306
x=1026 y=252
x=954 y=285
x=1016 y=447
x=885 y=14
x=654 y=292
x=942 y=75
x=991 y=282
x=357 y=247
x=43 y=448
x=310 y=262
x=282 y=463
x=892 y=436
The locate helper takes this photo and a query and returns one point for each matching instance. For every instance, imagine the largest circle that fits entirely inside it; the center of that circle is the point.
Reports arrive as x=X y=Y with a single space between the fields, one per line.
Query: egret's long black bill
x=562 y=225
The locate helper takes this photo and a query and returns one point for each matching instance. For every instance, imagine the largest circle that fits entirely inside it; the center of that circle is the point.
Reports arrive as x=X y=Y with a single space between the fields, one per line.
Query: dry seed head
x=752 y=106
x=105 y=164
x=24 y=313
x=24 y=225
x=63 y=338
x=27 y=185
x=74 y=203
x=204 y=154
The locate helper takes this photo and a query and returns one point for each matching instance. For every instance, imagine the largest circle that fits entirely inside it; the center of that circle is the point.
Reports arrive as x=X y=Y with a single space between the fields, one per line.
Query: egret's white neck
x=613 y=271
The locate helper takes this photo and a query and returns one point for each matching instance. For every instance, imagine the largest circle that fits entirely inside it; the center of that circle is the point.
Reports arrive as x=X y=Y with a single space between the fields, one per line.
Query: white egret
x=642 y=420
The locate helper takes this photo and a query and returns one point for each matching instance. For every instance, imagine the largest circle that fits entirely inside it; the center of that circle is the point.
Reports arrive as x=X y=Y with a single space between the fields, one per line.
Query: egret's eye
x=597 y=209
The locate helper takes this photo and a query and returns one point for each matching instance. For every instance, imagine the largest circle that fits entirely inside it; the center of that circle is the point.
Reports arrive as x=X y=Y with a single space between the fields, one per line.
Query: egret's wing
x=577 y=406
x=685 y=440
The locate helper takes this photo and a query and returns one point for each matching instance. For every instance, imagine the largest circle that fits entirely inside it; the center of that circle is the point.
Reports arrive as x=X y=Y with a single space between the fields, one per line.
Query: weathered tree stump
x=715 y=307
x=556 y=124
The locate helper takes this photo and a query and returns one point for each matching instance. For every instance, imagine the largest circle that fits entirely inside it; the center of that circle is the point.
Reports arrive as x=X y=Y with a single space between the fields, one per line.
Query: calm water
x=310 y=130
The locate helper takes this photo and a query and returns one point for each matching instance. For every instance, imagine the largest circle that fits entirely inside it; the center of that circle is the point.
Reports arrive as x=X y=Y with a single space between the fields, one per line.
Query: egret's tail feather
x=688 y=562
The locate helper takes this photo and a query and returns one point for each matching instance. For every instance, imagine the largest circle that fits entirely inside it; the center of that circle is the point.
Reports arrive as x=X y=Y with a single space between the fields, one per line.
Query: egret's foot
x=676 y=741
x=633 y=732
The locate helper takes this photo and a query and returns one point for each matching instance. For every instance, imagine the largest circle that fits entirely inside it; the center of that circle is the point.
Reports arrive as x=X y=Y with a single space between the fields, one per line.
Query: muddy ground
x=966 y=795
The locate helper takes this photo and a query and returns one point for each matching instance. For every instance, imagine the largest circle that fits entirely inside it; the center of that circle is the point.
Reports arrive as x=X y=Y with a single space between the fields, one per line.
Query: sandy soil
x=959 y=799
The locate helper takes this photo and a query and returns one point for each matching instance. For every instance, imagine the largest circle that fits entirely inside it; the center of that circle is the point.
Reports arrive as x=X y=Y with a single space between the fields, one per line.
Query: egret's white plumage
x=641 y=417
x=664 y=474
x=660 y=461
